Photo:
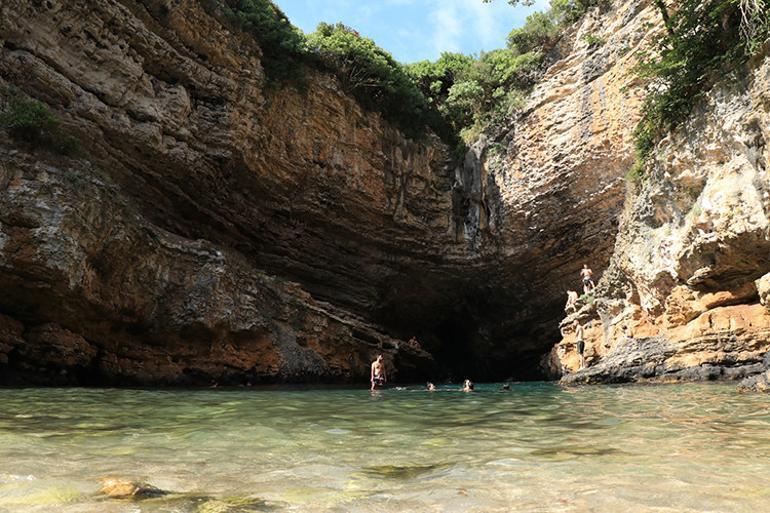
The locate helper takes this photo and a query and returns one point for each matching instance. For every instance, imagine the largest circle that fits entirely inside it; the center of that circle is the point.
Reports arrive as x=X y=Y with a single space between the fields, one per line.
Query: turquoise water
x=537 y=448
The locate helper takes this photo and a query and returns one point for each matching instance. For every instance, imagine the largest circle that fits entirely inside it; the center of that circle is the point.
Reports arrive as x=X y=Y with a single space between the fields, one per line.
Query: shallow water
x=537 y=448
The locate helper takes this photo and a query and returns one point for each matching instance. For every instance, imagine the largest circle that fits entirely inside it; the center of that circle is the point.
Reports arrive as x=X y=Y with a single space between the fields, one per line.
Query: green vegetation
x=473 y=94
x=470 y=93
x=283 y=44
x=30 y=121
x=367 y=71
x=373 y=76
x=593 y=40
x=457 y=94
x=705 y=40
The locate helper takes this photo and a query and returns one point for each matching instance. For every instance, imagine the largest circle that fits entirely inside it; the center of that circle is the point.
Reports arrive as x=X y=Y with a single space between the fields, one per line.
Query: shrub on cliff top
x=705 y=40
x=373 y=76
x=283 y=45
x=30 y=121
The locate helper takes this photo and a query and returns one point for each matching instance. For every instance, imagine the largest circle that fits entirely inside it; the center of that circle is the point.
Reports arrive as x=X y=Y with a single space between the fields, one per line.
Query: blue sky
x=413 y=30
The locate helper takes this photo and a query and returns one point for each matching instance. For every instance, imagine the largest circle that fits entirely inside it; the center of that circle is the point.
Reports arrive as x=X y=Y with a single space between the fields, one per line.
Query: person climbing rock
x=580 y=345
x=572 y=298
x=378 y=376
x=587 y=275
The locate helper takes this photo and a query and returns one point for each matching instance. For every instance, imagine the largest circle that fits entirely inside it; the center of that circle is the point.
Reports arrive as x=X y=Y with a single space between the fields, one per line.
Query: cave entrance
x=453 y=351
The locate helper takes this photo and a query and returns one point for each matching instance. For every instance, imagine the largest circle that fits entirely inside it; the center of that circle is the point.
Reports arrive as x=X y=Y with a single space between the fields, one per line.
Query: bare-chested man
x=580 y=344
x=378 y=376
x=572 y=299
x=588 y=282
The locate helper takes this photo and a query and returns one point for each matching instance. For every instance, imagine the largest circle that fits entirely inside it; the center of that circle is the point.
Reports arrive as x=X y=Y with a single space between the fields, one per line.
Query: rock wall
x=547 y=191
x=216 y=228
x=210 y=221
x=685 y=296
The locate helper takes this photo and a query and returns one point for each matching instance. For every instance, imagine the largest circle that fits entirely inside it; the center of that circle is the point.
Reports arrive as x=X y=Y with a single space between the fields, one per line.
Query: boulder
x=121 y=488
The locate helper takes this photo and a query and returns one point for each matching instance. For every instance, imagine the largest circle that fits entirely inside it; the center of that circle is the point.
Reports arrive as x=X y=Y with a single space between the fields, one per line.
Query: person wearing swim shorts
x=588 y=282
x=378 y=376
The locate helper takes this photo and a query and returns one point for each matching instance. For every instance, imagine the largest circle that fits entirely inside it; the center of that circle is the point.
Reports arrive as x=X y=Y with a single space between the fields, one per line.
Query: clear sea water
x=537 y=448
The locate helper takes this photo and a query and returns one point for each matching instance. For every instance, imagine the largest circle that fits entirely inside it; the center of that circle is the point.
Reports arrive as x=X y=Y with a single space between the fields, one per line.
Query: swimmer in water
x=378 y=376
x=467 y=386
x=431 y=387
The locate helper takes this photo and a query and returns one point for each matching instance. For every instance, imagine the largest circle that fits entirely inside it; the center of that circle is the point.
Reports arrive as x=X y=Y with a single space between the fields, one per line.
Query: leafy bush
x=540 y=32
x=570 y=11
x=704 y=37
x=32 y=122
x=593 y=40
x=283 y=45
x=436 y=78
x=374 y=77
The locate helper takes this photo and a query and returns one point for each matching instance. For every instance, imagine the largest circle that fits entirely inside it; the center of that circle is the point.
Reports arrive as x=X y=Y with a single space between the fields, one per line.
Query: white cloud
x=458 y=21
x=446 y=28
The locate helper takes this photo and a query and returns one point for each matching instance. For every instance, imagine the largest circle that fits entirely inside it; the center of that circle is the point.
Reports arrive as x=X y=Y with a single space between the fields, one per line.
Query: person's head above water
x=467 y=385
x=431 y=387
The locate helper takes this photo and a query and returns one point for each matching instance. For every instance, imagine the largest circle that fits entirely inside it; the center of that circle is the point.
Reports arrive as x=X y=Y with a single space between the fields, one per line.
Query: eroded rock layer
x=686 y=294
x=207 y=216
x=214 y=228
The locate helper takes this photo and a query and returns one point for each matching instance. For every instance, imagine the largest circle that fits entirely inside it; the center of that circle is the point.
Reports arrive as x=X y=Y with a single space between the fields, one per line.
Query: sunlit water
x=537 y=448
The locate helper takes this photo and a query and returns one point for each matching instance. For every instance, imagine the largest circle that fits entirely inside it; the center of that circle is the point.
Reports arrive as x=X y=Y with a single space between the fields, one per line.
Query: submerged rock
x=234 y=505
x=121 y=488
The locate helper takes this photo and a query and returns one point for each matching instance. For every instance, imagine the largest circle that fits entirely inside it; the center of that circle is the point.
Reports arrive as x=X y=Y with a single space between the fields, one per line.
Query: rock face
x=215 y=228
x=210 y=223
x=547 y=192
x=686 y=294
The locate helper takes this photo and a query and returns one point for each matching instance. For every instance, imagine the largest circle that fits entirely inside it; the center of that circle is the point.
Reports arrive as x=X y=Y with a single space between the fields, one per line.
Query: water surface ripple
x=537 y=448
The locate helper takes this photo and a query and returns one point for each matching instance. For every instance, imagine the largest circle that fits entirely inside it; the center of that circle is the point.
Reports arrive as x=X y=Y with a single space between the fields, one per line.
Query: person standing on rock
x=572 y=299
x=587 y=275
x=580 y=345
x=378 y=375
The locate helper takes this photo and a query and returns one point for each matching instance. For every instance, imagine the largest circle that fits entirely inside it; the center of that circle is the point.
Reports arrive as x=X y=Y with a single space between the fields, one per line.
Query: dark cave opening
x=454 y=352
x=465 y=345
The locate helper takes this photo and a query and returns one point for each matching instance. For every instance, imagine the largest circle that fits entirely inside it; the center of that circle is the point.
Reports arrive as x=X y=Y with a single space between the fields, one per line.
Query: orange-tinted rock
x=120 y=488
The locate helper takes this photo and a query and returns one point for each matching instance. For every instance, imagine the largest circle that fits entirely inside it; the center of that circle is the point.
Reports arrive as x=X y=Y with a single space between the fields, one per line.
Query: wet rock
x=756 y=383
x=122 y=488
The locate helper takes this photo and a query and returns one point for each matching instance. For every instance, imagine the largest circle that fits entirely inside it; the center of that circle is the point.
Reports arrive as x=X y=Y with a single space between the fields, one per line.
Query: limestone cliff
x=546 y=193
x=172 y=250
x=215 y=228
x=685 y=296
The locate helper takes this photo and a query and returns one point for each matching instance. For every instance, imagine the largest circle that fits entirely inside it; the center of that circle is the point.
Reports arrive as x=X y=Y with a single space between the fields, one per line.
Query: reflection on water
x=537 y=448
